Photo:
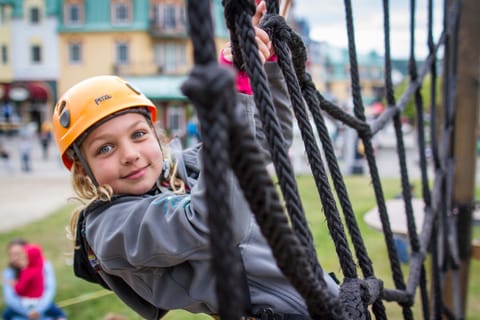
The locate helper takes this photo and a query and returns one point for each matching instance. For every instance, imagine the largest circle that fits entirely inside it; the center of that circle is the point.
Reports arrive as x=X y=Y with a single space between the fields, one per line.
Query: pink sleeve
x=243 y=81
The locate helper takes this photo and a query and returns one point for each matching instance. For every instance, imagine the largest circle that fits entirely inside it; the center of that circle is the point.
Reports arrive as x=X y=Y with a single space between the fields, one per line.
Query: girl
x=146 y=226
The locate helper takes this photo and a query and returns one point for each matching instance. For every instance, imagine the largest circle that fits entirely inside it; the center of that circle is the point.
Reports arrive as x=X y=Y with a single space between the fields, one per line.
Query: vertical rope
x=207 y=79
x=369 y=152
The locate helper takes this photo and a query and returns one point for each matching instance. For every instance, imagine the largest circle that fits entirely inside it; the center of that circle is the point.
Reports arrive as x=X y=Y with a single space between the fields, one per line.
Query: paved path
x=28 y=196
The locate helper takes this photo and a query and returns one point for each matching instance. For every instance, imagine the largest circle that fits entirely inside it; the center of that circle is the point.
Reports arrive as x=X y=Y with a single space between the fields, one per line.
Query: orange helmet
x=90 y=101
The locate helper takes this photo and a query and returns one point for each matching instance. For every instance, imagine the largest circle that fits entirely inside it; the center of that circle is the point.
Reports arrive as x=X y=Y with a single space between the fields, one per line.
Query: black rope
x=242 y=29
x=208 y=79
x=226 y=131
x=284 y=40
x=282 y=44
x=414 y=241
x=369 y=153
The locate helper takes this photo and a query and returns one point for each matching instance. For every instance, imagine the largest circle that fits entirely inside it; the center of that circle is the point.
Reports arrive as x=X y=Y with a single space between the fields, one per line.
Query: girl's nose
x=129 y=154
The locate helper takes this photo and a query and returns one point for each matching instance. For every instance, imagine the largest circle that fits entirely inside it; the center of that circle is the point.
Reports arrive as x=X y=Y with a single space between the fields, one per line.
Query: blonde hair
x=87 y=192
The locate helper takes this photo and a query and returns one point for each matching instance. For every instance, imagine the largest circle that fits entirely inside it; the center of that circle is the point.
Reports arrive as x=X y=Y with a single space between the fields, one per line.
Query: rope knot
x=371 y=289
x=276 y=27
x=365 y=131
x=207 y=81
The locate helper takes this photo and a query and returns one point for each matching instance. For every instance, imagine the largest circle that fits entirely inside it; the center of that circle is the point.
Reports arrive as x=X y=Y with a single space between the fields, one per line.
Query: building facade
x=29 y=61
x=46 y=46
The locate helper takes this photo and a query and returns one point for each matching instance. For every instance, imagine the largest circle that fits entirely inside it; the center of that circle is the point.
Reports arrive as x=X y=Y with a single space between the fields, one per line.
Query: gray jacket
x=159 y=243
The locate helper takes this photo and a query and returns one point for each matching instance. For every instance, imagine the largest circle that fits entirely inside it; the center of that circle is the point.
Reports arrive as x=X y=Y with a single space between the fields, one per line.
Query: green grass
x=82 y=300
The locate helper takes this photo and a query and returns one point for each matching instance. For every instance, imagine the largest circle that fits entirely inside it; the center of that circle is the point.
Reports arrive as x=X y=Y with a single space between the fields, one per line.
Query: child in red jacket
x=30 y=283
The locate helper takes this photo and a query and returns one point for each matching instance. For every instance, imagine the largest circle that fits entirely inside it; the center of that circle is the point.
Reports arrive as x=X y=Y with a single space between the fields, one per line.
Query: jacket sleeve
x=281 y=102
x=49 y=288
x=11 y=298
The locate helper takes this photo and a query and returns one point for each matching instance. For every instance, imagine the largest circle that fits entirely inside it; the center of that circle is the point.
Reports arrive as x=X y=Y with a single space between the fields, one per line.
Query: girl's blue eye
x=138 y=134
x=104 y=149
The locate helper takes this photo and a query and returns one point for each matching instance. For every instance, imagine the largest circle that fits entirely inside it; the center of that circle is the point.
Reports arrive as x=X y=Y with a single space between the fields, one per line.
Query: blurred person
x=39 y=307
x=27 y=134
x=45 y=138
x=5 y=156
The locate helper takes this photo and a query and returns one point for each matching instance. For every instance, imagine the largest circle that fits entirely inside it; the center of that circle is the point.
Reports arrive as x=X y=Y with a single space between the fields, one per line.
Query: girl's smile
x=136 y=174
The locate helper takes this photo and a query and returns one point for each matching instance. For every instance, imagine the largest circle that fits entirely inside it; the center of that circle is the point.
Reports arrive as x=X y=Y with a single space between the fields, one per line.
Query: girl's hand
x=263 y=40
x=265 y=48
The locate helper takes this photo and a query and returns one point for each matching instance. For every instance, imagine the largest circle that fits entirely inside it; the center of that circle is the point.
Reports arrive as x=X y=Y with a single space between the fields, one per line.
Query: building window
x=34 y=15
x=122 y=56
x=4 y=54
x=169 y=17
x=170 y=57
x=74 y=53
x=175 y=118
x=73 y=14
x=169 y=21
x=36 y=54
x=121 y=12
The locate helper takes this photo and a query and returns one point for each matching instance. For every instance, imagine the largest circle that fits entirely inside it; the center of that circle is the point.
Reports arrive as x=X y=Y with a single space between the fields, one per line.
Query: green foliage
x=409 y=110
x=82 y=300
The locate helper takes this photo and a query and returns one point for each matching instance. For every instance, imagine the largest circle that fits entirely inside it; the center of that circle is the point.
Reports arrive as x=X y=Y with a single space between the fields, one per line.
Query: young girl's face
x=125 y=154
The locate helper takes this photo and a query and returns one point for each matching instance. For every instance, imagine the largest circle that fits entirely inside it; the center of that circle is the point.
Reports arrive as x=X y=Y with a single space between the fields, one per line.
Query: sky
x=327 y=23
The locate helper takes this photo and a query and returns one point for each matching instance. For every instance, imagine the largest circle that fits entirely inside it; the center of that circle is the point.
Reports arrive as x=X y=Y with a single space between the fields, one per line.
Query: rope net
x=228 y=142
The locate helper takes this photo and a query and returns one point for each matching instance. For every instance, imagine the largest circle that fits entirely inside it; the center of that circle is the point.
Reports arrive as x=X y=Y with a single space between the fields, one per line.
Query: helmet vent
x=65 y=119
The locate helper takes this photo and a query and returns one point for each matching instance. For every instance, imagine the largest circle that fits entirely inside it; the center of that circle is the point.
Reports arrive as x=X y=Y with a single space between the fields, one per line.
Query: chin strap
x=84 y=163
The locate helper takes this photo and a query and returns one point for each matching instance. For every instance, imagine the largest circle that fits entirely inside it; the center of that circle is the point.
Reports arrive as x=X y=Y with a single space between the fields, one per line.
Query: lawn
x=82 y=300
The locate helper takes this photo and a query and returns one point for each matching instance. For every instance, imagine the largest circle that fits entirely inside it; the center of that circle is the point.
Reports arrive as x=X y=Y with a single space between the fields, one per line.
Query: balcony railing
x=159 y=30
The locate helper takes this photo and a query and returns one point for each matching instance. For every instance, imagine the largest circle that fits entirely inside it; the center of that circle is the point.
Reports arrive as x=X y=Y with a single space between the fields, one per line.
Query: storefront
x=25 y=102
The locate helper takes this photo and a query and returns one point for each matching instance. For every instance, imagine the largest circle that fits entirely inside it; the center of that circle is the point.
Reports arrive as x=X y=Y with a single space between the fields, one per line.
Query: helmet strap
x=84 y=163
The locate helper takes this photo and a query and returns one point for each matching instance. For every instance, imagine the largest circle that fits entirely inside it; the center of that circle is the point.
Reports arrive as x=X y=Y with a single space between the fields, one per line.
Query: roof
x=159 y=87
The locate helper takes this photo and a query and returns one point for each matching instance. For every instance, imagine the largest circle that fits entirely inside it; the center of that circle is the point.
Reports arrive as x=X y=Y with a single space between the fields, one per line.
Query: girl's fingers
x=262 y=35
x=227 y=54
x=261 y=10
x=264 y=43
x=263 y=49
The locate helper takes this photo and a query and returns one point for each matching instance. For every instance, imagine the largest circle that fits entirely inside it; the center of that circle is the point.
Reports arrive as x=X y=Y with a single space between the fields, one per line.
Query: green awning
x=161 y=87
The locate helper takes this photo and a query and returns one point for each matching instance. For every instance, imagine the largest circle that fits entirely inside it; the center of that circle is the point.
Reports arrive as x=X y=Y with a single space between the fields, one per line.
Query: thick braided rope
x=264 y=201
x=320 y=303
x=406 y=191
x=280 y=34
x=412 y=229
x=310 y=95
x=207 y=80
x=263 y=100
x=365 y=263
x=369 y=153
